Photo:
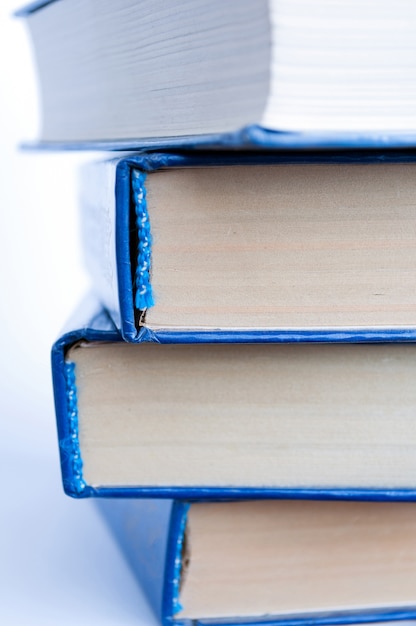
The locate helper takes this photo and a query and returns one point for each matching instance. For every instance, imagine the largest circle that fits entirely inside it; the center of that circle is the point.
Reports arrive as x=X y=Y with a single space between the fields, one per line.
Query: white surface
x=58 y=562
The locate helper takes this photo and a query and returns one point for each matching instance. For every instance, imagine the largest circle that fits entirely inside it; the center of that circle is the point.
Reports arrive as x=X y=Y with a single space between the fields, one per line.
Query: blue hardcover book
x=247 y=73
x=279 y=562
x=258 y=244
x=259 y=416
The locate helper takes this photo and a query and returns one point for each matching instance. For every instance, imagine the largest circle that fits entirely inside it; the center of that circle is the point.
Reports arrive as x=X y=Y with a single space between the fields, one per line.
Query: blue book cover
x=243 y=416
x=256 y=74
x=314 y=244
x=211 y=563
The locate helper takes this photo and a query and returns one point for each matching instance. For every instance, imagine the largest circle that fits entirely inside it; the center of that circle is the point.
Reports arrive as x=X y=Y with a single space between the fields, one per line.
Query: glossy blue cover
x=106 y=199
x=151 y=533
x=141 y=528
x=91 y=323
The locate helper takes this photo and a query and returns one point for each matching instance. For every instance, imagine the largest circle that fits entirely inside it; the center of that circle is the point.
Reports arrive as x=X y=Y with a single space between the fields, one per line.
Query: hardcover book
x=284 y=562
x=230 y=419
x=253 y=243
x=271 y=73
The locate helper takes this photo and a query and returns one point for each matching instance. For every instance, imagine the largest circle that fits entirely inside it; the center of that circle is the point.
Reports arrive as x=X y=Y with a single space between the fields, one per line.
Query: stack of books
x=239 y=389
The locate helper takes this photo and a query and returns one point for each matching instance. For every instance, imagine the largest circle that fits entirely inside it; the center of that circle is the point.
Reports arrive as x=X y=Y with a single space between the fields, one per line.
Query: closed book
x=253 y=243
x=270 y=73
x=283 y=562
x=233 y=419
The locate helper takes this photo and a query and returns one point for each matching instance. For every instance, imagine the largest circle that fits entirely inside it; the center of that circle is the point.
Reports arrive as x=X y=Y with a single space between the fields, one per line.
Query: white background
x=58 y=564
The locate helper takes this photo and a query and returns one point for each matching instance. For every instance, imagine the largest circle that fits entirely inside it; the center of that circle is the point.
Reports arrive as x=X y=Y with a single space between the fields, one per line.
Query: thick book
x=283 y=562
x=258 y=243
x=275 y=73
x=230 y=419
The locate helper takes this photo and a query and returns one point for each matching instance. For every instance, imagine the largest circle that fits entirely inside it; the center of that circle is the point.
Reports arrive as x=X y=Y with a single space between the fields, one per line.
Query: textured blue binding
x=70 y=444
x=173 y=566
x=144 y=296
x=89 y=323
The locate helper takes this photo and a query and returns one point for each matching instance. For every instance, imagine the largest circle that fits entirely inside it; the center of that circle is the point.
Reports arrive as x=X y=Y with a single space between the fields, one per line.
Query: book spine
x=144 y=531
x=105 y=191
x=177 y=554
